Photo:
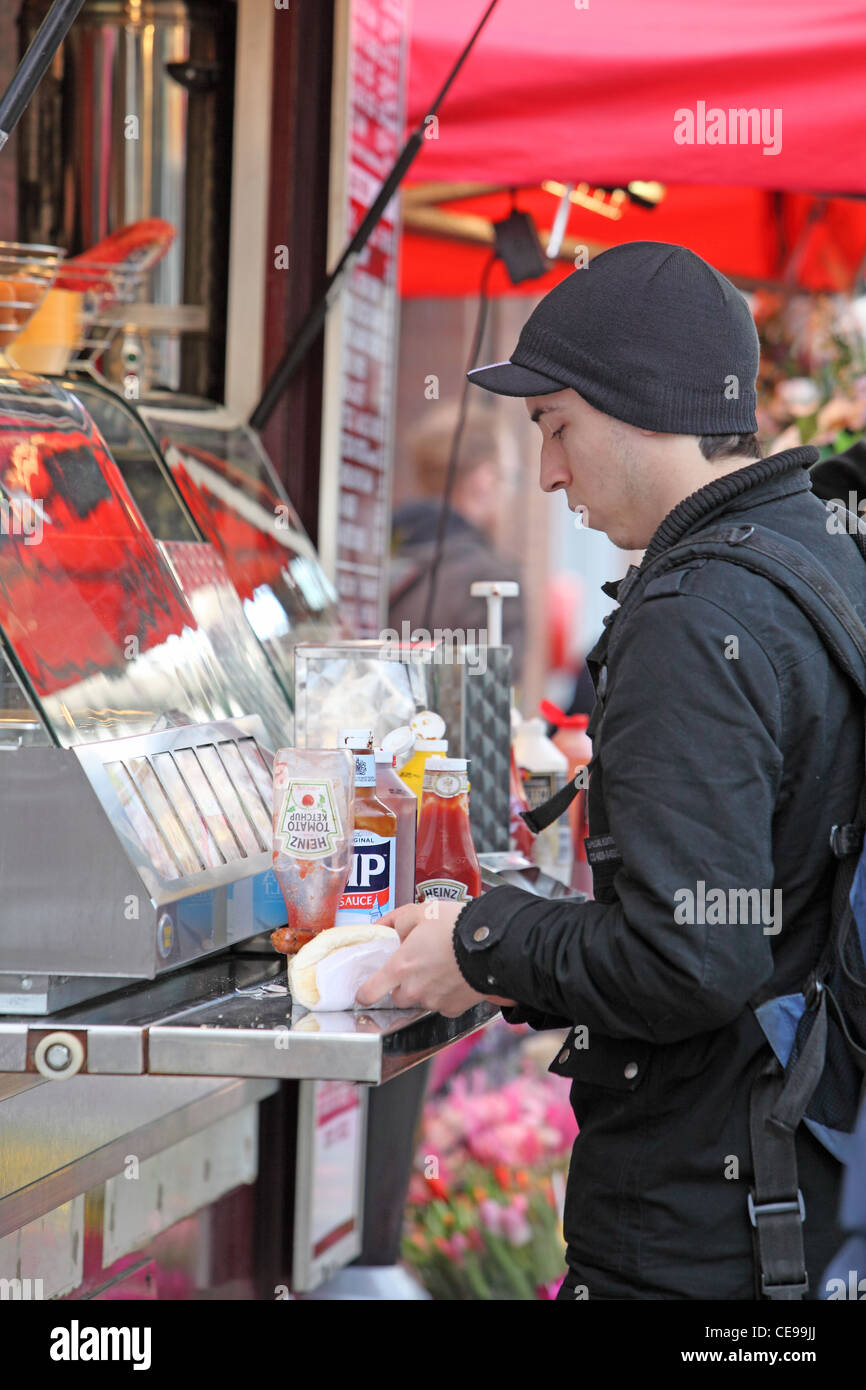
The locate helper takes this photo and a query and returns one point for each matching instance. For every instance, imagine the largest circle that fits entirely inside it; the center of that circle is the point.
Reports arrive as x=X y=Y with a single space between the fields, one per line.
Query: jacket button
x=602 y=680
x=481 y=934
x=490 y=980
x=631 y=1071
x=564 y=1055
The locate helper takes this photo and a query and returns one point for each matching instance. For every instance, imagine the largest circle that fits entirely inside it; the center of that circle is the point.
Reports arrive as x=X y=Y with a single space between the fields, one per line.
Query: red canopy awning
x=597 y=95
x=551 y=91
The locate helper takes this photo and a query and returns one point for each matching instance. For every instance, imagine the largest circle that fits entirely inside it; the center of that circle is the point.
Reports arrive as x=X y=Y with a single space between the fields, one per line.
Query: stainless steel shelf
x=231 y=1016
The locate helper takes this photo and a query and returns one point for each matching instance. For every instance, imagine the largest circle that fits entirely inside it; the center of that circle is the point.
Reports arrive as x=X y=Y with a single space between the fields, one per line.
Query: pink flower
x=419 y=1193
x=515 y=1227
x=459 y=1244
x=491 y=1215
x=441 y=1132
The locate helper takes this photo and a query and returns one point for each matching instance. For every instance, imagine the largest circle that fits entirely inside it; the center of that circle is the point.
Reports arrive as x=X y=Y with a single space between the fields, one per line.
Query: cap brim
x=507 y=379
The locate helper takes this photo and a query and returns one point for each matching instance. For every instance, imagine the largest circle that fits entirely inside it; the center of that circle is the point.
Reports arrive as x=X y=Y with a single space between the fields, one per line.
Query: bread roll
x=327 y=973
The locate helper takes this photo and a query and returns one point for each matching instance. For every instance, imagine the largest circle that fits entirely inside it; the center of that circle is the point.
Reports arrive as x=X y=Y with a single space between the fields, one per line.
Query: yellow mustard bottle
x=412 y=744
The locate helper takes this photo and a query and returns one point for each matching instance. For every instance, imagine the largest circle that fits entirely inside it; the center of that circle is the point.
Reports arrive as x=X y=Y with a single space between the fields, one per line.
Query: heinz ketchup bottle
x=446 y=865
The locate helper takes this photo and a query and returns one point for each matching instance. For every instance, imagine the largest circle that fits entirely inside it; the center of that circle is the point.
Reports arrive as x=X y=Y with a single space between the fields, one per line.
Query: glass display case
x=92 y=614
x=229 y=484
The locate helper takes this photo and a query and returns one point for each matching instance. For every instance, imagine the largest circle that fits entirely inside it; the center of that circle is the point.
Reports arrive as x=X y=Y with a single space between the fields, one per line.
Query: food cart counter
x=228 y=1015
x=170 y=1123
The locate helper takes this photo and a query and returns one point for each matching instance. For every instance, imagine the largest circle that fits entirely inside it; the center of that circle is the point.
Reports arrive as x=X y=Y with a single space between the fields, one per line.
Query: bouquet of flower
x=485 y=1200
x=494 y=1234
x=812 y=378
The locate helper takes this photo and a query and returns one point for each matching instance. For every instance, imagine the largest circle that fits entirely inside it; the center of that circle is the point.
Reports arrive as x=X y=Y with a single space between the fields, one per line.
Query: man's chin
x=618 y=536
x=616 y=531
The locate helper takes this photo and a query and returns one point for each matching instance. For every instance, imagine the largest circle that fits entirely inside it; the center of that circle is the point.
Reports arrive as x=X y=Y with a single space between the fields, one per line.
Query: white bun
x=362 y=950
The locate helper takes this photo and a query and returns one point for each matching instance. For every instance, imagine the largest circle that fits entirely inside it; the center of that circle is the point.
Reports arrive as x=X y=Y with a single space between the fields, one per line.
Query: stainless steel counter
x=57 y=1144
x=230 y=1015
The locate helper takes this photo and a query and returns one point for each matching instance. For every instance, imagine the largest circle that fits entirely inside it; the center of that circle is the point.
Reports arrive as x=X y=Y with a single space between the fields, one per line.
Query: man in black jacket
x=726 y=743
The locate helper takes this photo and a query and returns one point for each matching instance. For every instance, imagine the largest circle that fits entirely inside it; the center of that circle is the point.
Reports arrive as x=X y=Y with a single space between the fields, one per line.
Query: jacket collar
x=761 y=481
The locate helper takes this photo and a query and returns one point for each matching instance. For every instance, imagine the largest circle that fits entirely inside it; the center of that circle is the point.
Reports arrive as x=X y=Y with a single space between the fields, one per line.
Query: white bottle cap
x=383 y=757
x=535 y=726
x=427 y=724
x=446 y=765
x=400 y=742
x=354 y=738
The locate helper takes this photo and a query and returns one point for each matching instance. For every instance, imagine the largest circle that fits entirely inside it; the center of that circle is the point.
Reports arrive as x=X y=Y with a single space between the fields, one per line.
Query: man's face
x=595 y=460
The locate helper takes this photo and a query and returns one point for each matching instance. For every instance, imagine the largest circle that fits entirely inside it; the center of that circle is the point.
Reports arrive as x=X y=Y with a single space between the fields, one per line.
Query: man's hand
x=424 y=970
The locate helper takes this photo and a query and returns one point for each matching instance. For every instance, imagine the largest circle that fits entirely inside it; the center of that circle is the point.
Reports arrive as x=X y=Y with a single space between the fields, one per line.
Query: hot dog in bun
x=328 y=972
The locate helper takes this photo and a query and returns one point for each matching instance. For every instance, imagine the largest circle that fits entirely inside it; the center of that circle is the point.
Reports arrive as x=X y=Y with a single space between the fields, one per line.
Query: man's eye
x=557 y=433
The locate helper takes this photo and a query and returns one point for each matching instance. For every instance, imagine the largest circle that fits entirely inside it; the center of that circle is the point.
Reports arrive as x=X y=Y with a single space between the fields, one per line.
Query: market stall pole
x=315 y=319
x=36 y=63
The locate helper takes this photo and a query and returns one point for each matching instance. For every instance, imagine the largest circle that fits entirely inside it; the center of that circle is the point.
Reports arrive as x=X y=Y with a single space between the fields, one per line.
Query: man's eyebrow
x=539 y=411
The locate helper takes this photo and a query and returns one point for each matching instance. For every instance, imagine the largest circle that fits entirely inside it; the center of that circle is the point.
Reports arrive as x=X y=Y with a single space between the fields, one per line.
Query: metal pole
x=312 y=324
x=35 y=63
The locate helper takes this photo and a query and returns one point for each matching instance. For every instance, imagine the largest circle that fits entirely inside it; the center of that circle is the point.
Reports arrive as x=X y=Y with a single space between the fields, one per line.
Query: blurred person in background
x=469 y=552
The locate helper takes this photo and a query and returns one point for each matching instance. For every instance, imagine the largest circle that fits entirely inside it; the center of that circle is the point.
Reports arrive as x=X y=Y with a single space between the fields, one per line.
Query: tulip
x=515 y=1227
x=491 y=1215
x=502 y=1175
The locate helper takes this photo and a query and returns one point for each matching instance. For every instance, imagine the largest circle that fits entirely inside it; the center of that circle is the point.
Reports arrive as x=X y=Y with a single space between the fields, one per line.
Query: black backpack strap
x=775 y=1201
x=778 y=1101
x=786 y=564
x=550 y=810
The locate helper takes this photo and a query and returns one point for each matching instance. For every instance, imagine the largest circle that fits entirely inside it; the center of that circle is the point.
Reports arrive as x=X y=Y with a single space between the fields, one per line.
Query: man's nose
x=554 y=470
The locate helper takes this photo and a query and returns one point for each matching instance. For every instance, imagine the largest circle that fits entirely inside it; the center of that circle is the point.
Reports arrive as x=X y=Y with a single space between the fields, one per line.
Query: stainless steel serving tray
x=228 y=1016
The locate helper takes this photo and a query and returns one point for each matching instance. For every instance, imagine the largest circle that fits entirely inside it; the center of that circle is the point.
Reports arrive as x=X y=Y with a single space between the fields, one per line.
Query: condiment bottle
x=520 y=835
x=446 y=865
x=370 y=891
x=393 y=793
x=544 y=772
x=427 y=730
x=572 y=739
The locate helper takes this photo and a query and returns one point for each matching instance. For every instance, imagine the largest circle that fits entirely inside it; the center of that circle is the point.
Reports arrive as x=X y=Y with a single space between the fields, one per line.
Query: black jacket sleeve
x=691 y=766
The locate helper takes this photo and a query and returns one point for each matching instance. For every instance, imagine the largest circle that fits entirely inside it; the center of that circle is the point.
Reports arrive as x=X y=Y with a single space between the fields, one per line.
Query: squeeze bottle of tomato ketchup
x=393 y=793
x=446 y=865
x=370 y=891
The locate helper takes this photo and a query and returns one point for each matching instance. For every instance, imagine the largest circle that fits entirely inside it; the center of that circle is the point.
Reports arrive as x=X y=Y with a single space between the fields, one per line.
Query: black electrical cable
x=35 y=63
x=451 y=475
x=314 y=320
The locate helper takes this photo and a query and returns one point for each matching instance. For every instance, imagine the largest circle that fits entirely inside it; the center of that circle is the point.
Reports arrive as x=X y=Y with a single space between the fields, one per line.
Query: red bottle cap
x=554 y=715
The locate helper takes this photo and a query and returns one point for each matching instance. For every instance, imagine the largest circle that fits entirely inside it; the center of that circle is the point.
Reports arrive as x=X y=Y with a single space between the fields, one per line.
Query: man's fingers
x=403 y=919
x=377 y=986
